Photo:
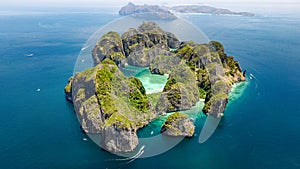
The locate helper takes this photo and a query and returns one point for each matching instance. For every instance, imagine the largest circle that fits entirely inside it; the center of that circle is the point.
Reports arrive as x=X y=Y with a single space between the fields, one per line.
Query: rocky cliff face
x=178 y=124
x=68 y=90
x=112 y=105
x=142 y=45
x=215 y=73
x=180 y=91
x=109 y=46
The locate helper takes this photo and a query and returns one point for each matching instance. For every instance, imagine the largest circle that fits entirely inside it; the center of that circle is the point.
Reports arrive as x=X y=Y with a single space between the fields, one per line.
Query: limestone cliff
x=178 y=124
x=114 y=106
x=109 y=46
x=110 y=104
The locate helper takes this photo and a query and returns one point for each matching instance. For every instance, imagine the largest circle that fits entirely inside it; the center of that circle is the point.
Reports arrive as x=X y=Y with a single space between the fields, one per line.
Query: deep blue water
x=260 y=130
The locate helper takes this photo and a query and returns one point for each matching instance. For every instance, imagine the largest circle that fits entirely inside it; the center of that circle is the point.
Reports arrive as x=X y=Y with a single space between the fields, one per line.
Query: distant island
x=207 y=10
x=131 y=8
x=115 y=106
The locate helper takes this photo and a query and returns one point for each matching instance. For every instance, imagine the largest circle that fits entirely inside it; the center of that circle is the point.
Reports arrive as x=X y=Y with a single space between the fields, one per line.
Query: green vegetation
x=138 y=100
x=220 y=86
x=138 y=84
x=233 y=65
x=120 y=121
x=213 y=100
x=109 y=46
x=80 y=94
x=171 y=81
x=87 y=74
x=123 y=100
x=218 y=47
x=202 y=93
x=117 y=55
x=203 y=82
x=185 y=52
x=175 y=116
x=68 y=87
x=154 y=97
x=178 y=124
x=104 y=78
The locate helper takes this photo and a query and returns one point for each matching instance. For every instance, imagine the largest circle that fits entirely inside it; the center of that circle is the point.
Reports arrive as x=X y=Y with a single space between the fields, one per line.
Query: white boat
x=30 y=54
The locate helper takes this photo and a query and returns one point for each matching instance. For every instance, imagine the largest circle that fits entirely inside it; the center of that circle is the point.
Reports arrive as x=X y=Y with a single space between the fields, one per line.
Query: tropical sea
x=39 y=128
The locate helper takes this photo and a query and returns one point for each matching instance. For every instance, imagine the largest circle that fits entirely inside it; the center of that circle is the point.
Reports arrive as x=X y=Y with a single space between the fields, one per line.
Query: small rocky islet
x=115 y=106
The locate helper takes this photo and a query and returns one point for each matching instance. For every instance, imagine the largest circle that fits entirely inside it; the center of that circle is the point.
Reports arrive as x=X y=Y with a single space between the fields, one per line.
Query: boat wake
x=253 y=77
x=130 y=159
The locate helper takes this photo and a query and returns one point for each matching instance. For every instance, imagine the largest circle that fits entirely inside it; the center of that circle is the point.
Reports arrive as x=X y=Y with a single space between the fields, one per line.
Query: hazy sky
x=117 y=2
x=237 y=5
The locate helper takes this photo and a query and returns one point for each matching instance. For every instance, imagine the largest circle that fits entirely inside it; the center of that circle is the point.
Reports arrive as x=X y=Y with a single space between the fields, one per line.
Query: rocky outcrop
x=152 y=10
x=112 y=105
x=215 y=73
x=172 y=40
x=180 y=91
x=142 y=45
x=68 y=90
x=178 y=124
x=135 y=40
x=119 y=140
x=155 y=33
x=109 y=46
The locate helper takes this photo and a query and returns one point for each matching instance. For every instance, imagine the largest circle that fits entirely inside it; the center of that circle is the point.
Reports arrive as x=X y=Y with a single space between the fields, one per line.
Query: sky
x=236 y=5
x=118 y=2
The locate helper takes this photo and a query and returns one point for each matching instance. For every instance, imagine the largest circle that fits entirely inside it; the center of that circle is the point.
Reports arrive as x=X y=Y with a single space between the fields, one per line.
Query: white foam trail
x=251 y=75
x=84 y=48
x=137 y=155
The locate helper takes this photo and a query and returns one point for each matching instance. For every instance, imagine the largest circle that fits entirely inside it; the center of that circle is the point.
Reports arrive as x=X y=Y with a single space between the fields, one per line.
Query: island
x=154 y=10
x=168 y=12
x=116 y=106
x=208 y=10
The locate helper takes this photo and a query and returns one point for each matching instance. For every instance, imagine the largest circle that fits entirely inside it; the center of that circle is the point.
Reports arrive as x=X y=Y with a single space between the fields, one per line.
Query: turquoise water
x=40 y=130
x=152 y=83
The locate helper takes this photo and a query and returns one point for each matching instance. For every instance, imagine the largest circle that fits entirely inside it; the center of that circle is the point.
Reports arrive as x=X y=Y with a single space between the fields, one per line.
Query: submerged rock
x=178 y=124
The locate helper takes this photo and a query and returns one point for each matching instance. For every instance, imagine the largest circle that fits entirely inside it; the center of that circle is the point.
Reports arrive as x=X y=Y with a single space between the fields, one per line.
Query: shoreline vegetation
x=115 y=106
